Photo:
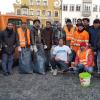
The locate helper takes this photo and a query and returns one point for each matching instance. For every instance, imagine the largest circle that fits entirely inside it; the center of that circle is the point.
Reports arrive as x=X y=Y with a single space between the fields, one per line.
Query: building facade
x=45 y=10
x=75 y=9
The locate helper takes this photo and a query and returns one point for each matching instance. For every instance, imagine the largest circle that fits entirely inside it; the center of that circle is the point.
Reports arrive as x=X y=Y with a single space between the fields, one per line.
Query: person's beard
x=9 y=31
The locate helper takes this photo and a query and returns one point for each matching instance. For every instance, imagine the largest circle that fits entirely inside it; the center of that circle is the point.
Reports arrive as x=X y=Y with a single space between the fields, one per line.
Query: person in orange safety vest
x=24 y=37
x=69 y=29
x=25 y=60
x=84 y=58
x=79 y=36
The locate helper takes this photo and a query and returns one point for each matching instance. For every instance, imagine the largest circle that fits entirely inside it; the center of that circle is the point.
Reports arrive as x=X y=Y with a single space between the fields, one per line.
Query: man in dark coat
x=38 y=47
x=47 y=37
x=86 y=23
x=59 y=33
x=93 y=30
x=36 y=35
x=97 y=50
x=9 y=43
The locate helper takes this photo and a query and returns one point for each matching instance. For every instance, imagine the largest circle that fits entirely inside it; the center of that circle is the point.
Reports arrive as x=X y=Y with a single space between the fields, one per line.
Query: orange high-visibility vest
x=69 y=34
x=21 y=36
x=83 y=56
x=78 y=38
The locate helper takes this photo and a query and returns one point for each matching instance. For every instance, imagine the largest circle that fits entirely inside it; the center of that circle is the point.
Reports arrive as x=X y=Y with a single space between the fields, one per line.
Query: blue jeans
x=98 y=61
x=61 y=64
x=82 y=68
x=7 y=63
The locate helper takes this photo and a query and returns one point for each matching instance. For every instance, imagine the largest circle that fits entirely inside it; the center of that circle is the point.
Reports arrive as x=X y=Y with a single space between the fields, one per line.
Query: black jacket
x=47 y=37
x=35 y=37
x=9 y=41
x=92 y=34
x=97 y=42
x=57 y=34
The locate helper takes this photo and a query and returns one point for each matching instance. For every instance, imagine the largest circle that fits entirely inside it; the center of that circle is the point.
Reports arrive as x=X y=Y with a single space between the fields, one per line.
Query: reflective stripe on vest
x=69 y=34
x=83 y=57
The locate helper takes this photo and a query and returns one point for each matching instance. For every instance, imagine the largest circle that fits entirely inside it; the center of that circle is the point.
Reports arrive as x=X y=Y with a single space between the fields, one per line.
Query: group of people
x=75 y=48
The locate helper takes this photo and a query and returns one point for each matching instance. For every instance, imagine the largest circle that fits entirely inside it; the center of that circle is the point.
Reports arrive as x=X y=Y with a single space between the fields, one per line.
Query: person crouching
x=60 y=57
x=84 y=59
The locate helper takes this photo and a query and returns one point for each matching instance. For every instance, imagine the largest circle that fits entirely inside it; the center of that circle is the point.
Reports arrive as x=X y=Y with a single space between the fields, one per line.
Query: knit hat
x=83 y=44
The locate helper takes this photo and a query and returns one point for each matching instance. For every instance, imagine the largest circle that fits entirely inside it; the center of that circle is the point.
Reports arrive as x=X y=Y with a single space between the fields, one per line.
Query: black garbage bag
x=25 y=61
x=39 y=60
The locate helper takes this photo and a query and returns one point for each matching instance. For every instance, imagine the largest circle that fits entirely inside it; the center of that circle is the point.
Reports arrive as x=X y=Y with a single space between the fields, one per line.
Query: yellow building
x=45 y=10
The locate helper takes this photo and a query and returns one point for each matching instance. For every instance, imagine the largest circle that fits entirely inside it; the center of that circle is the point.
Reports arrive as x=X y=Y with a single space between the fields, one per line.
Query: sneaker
x=5 y=74
x=55 y=72
x=9 y=73
x=51 y=70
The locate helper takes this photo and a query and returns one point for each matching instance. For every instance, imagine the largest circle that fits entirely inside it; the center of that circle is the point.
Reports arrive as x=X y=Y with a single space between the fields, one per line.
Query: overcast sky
x=6 y=5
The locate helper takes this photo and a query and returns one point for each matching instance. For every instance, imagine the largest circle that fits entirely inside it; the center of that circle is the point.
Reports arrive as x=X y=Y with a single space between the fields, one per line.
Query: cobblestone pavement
x=46 y=87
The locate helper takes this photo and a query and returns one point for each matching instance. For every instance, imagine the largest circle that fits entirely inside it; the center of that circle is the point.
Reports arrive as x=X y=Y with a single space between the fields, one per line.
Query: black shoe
x=5 y=74
x=9 y=73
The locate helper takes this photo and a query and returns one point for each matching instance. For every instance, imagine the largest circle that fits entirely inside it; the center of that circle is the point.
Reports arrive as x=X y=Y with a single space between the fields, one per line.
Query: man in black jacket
x=97 y=49
x=9 y=43
x=36 y=35
x=47 y=38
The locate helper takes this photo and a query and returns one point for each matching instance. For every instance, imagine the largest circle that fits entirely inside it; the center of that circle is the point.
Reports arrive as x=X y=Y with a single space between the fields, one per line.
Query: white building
x=75 y=9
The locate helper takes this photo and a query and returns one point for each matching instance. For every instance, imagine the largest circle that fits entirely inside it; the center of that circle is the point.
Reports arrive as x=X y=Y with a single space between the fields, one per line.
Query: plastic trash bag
x=25 y=61
x=52 y=49
x=39 y=60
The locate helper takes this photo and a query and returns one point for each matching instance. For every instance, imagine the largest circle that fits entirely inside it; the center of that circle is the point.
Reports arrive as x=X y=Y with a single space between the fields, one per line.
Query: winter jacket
x=97 y=42
x=47 y=37
x=85 y=57
x=58 y=34
x=92 y=33
x=79 y=37
x=36 y=36
x=9 y=41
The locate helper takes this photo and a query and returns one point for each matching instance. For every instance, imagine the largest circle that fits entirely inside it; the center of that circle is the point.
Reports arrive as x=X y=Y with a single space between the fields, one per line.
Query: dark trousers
x=59 y=64
x=7 y=62
x=47 y=55
x=98 y=61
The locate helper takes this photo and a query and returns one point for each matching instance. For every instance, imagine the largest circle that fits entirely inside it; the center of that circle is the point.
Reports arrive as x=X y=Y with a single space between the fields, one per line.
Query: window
x=65 y=7
x=37 y=2
x=95 y=7
x=17 y=22
x=49 y=13
x=31 y=13
x=78 y=7
x=43 y=12
x=86 y=7
x=71 y=7
x=18 y=12
x=24 y=11
x=18 y=1
x=74 y=21
x=56 y=14
x=45 y=3
x=29 y=23
x=37 y=13
x=31 y=2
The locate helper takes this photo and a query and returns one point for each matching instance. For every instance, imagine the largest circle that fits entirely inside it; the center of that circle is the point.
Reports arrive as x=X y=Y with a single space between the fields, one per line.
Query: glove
x=6 y=46
x=45 y=46
x=35 y=48
x=19 y=49
x=31 y=48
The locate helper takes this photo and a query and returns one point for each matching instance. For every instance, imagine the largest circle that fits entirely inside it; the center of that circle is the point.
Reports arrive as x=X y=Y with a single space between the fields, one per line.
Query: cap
x=83 y=44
